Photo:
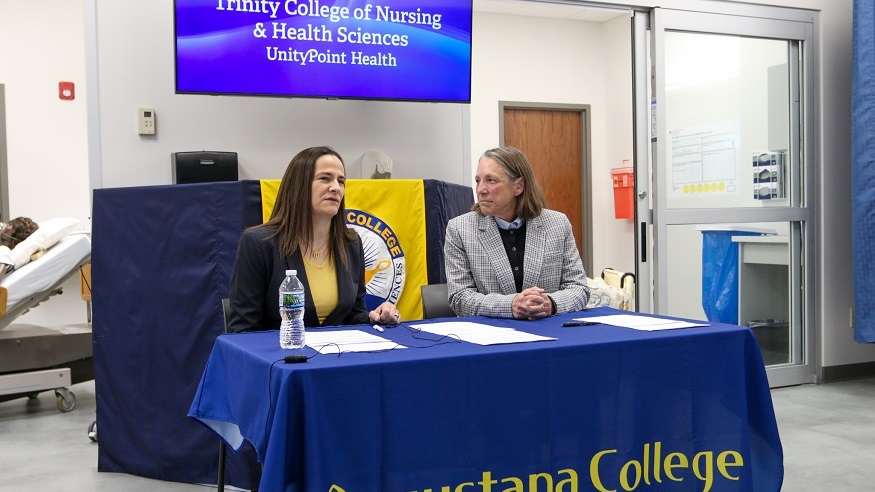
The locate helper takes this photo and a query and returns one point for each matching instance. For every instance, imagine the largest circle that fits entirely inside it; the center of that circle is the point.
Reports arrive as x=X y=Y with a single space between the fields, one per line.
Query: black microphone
x=294 y=359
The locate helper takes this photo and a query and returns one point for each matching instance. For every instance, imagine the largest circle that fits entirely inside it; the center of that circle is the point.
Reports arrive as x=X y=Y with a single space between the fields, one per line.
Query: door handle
x=643 y=236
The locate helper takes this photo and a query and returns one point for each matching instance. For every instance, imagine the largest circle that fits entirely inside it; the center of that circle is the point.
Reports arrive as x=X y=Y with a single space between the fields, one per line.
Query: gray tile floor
x=828 y=433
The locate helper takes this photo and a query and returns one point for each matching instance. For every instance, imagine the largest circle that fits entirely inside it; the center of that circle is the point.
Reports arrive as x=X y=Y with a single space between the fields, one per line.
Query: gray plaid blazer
x=479 y=278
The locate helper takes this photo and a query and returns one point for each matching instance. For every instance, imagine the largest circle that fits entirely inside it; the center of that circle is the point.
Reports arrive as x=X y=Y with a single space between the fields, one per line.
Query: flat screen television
x=405 y=50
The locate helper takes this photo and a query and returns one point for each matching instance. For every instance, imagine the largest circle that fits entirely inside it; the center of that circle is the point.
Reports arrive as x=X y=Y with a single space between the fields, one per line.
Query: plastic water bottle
x=291 y=296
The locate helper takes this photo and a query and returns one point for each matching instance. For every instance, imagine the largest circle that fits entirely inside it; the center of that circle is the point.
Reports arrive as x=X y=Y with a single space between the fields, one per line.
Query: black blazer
x=259 y=269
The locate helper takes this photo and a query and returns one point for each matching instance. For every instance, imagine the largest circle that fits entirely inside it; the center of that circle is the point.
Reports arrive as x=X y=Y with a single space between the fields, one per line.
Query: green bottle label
x=292 y=300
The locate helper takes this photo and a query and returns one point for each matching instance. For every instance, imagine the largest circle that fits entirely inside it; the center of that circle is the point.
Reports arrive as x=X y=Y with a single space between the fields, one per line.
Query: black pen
x=579 y=323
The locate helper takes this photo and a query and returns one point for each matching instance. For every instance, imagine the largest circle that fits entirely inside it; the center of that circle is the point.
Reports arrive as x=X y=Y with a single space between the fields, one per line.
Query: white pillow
x=49 y=233
x=6 y=256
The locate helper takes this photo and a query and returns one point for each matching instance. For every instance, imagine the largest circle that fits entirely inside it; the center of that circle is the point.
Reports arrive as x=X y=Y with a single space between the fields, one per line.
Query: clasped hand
x=532 y=303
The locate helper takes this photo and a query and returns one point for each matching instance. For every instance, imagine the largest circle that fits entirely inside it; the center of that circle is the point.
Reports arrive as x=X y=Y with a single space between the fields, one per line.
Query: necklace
x=317 y=252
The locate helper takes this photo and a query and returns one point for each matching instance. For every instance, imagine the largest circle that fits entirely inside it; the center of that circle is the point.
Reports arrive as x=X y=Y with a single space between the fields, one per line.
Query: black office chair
x=435 y=303
x=226 y=311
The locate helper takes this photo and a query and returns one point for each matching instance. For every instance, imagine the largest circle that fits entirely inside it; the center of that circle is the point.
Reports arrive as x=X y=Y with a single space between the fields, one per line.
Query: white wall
x=135 y=67
x=49 y=160
x=41 y=44
x=614 y=239
x=836 y=249
x=565 y=62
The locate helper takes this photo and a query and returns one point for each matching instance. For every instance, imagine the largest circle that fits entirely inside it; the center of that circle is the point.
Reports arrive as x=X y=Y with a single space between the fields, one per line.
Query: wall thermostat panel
x=145 y=121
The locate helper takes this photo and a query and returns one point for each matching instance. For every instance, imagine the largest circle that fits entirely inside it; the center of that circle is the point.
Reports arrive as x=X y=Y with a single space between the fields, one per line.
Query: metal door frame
x=652 y=214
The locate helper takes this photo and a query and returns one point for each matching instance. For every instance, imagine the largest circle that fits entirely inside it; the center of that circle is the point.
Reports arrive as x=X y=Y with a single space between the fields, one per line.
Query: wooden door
x=554 y=141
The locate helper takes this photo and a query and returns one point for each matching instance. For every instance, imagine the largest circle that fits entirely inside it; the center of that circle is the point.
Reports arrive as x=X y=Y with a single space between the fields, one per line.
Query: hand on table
x=385 y=314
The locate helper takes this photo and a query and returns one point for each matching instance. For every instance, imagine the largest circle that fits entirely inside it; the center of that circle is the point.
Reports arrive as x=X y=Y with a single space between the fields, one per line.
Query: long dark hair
x=292 y=215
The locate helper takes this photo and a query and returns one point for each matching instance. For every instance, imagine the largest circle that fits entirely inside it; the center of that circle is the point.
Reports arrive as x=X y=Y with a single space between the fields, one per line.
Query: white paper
x=479 y=333
x=705 y=159
x=645 y=323
x=335 y=342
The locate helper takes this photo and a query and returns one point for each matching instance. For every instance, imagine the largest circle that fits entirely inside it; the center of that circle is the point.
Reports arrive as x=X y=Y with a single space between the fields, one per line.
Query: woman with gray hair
x=511 y=256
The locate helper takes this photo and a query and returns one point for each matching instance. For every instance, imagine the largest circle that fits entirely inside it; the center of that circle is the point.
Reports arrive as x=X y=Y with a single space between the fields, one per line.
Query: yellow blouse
x=323 y=286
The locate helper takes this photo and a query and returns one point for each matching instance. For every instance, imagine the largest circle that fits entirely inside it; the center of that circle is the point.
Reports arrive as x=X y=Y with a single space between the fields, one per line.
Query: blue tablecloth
x=600 y=408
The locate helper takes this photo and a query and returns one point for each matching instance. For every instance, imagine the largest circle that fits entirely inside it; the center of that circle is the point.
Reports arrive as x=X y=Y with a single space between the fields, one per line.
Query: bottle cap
x=291 y=272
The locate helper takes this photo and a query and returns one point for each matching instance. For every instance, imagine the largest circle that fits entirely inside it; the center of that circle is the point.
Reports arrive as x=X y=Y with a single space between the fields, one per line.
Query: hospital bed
x=33 y=358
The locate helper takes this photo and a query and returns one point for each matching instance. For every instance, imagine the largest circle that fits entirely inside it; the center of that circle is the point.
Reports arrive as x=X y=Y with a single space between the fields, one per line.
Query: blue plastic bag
x=720 y=275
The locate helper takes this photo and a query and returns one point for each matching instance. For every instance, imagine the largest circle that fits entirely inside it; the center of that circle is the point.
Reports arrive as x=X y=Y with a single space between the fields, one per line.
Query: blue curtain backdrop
x=863 y=169
x=161 y=263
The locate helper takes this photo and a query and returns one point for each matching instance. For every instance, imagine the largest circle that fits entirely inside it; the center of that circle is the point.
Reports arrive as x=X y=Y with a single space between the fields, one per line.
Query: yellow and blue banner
x=389 y=216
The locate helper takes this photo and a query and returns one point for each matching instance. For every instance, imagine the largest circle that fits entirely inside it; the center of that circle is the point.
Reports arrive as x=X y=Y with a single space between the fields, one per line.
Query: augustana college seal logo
x=384 y=258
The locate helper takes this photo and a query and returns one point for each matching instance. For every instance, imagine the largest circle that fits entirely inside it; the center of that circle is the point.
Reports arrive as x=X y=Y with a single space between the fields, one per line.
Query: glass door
x=724 y=184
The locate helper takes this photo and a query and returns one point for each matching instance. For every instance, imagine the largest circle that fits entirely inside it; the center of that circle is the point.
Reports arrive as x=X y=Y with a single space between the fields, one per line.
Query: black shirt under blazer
x=259 y=269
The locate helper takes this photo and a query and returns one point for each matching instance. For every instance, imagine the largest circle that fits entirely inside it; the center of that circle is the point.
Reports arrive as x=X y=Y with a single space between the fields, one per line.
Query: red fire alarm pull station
x=66 y=91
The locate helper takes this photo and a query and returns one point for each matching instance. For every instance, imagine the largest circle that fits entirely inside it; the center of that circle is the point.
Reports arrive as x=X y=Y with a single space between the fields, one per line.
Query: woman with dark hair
x=11 y=234
x=306 y=232
x=511 y=256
